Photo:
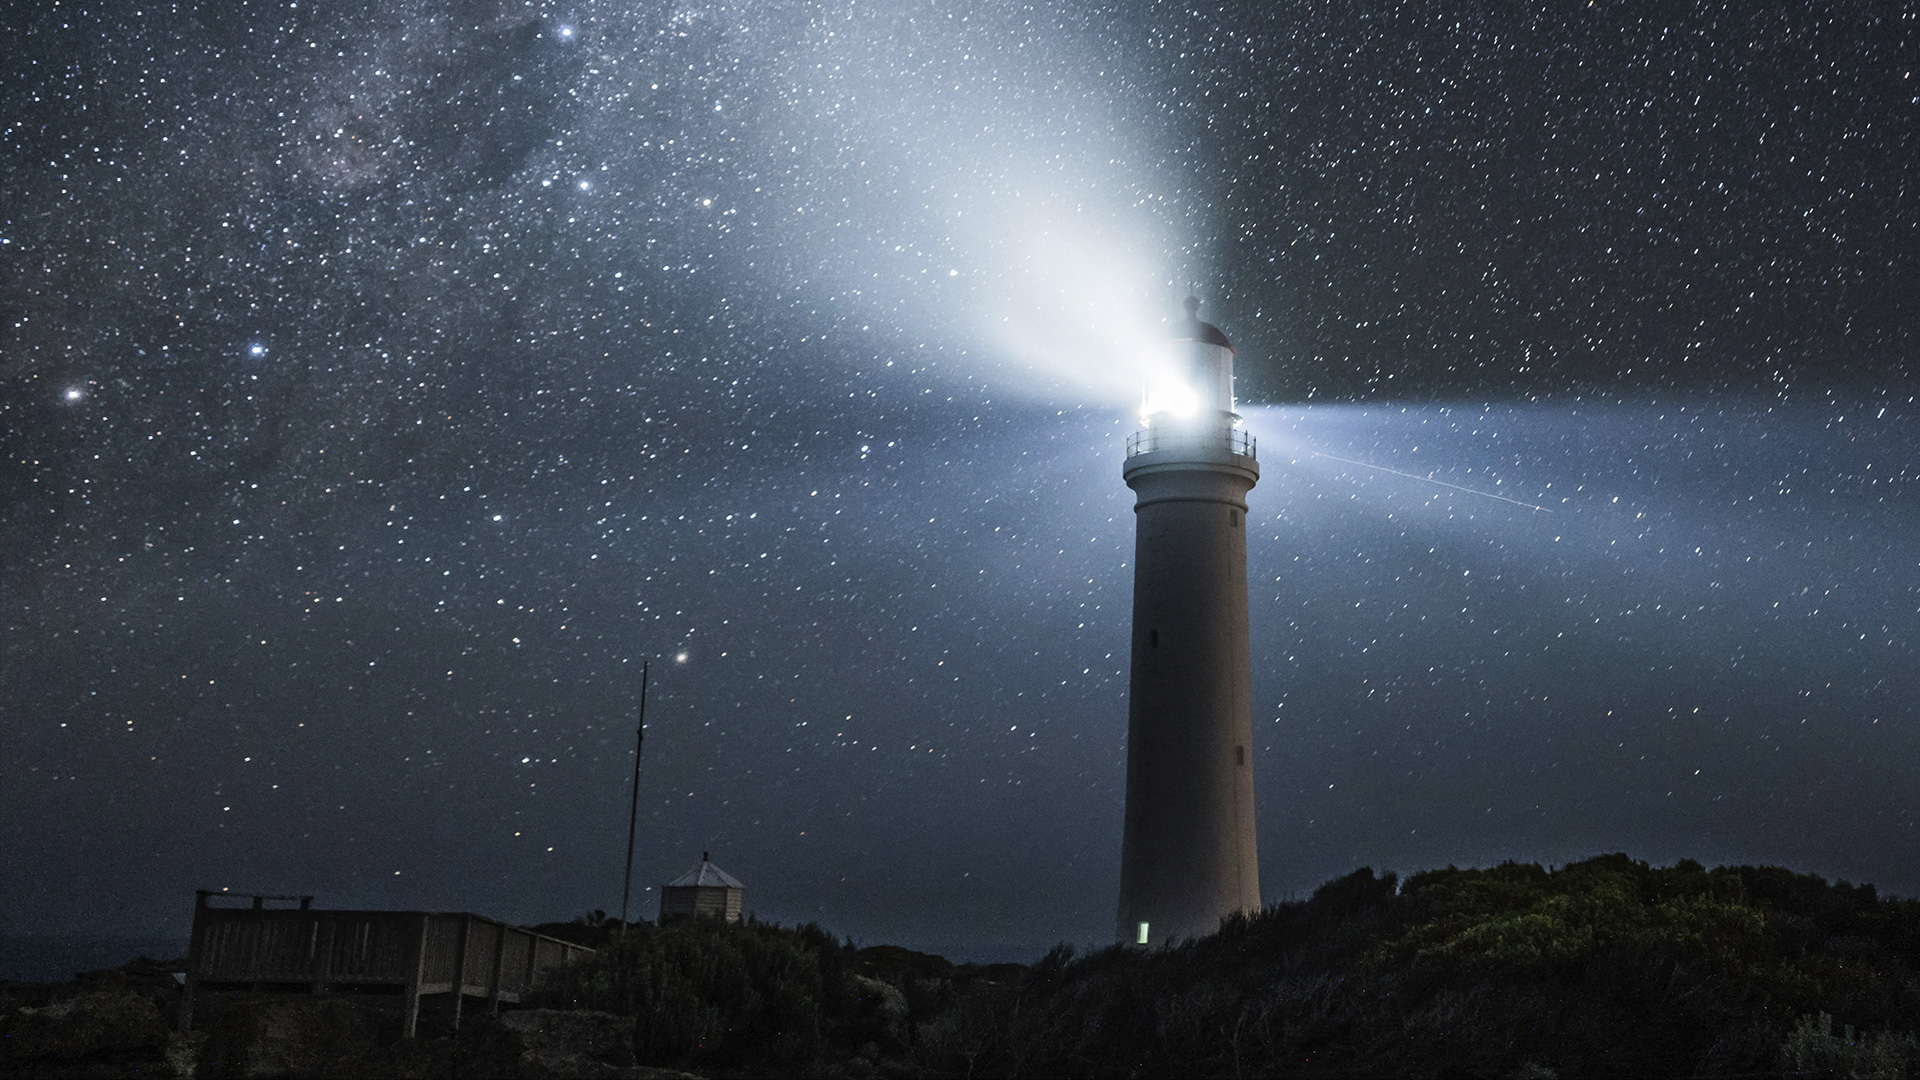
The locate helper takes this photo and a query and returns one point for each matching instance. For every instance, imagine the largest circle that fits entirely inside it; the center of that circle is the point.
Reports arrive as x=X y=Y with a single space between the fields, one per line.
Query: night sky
x=382 y=383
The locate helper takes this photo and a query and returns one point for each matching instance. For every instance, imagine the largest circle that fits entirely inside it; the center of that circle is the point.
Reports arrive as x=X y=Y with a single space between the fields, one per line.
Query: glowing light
x=256 y=349
x=1168 y=394
x=679 y=658
x=585 y=185
x=566 y=33
x=498 y=517
x=74 y=393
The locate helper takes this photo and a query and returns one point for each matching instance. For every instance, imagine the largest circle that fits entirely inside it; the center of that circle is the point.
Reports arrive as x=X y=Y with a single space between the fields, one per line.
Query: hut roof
x=708 y=875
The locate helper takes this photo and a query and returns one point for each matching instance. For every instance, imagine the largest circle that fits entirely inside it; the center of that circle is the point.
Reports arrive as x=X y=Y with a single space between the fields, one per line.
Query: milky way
x=383 y=384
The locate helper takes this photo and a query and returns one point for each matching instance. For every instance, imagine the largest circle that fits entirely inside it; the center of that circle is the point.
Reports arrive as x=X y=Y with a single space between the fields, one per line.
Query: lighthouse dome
x=1195 y=330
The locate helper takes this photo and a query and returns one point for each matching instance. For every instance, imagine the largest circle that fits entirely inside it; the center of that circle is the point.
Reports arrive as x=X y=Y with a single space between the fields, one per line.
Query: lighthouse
x=1188 y=858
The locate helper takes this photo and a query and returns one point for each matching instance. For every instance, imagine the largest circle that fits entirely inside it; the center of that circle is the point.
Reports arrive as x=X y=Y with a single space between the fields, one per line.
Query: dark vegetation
x=1607 y=967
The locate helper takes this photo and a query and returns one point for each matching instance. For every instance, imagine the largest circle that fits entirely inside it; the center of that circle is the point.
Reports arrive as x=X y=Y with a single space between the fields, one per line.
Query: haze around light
x=1011 y=216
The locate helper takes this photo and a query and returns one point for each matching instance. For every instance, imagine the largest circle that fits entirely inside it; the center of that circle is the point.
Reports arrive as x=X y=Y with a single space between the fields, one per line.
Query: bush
x=718 y=996
x=1603 y=967
x=1812 y=1049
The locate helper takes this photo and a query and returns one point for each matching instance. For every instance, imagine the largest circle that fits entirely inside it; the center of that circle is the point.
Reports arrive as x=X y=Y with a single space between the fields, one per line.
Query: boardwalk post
x=322 y=936
x=412 y=1007
x=499 y=967
x=196 y=946
x=460 y=967
x=257 y=941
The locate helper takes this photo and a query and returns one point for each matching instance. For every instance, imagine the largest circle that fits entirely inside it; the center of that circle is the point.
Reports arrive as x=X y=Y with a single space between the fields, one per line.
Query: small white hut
x=706 y=891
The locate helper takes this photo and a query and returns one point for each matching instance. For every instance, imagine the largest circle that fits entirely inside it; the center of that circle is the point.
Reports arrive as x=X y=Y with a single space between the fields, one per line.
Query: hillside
x=1607 y=967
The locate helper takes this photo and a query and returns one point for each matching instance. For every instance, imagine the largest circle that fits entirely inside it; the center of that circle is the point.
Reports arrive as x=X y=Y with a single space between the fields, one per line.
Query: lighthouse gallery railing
x=1154 y=441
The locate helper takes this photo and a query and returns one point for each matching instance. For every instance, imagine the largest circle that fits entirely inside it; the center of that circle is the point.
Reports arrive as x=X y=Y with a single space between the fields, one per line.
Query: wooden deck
x=411 y=953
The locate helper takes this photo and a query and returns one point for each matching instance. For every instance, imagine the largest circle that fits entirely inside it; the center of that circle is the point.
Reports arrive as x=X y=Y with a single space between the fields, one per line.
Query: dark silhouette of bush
x=1607 y=967
x=1604 y=967
x=758 y=996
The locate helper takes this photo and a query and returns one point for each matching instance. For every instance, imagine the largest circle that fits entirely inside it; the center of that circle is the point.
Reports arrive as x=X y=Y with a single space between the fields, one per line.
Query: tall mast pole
x=633 y=813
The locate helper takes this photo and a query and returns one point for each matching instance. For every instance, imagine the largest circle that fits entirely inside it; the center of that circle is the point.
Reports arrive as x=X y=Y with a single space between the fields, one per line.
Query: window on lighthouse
x=1141 y=938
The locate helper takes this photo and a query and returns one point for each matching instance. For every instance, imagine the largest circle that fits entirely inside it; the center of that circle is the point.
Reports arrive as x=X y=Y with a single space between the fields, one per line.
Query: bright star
x=74 y=393
x=256 y=350
x=566 y=33
x=679 y=658
x=584 y=185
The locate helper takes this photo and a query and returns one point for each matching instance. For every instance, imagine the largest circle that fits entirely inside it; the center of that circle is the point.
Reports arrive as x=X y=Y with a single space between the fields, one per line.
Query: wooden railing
x=414 y=953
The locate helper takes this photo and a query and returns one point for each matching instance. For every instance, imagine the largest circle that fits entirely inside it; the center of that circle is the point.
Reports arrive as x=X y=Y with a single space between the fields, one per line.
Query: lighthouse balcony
x=1228 y=442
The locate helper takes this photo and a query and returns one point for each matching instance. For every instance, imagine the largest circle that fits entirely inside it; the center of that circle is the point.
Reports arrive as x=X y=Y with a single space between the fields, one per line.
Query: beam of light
x=1429 y=480
x=1036 y=238
x=1071 y=303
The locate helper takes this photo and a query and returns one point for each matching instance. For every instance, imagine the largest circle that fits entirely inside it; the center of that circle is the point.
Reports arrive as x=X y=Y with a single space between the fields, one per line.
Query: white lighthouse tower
x=1189 y=858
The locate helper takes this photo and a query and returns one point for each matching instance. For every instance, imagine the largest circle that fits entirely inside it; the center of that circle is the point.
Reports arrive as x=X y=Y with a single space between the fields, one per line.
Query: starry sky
x=382 y=384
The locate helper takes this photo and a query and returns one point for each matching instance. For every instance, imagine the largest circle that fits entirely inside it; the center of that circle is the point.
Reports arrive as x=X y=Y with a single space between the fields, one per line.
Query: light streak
x=1430 y=480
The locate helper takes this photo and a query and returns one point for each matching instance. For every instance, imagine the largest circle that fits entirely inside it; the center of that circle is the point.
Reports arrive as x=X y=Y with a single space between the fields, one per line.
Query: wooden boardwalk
x=412 y=953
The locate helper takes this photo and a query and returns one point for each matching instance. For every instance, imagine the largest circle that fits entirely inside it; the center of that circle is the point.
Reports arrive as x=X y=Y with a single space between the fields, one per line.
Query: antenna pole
x=633 y=814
